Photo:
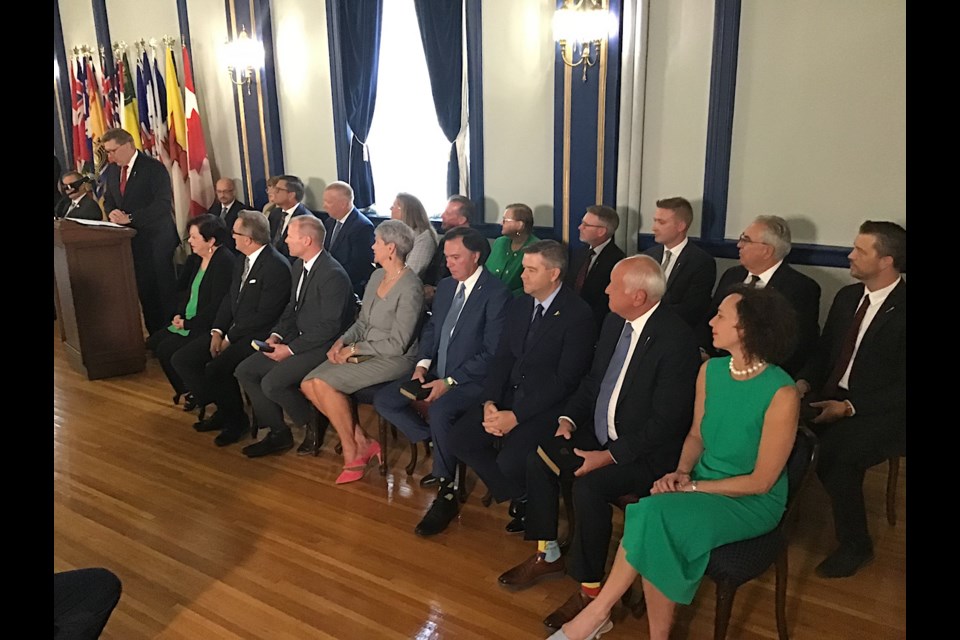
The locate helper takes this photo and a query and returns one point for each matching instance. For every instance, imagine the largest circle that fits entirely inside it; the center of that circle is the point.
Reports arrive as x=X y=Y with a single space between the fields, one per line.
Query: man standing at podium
x=138 y=195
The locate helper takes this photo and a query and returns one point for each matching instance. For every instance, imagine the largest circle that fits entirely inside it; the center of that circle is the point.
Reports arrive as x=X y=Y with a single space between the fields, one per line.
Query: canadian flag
x=201 y=179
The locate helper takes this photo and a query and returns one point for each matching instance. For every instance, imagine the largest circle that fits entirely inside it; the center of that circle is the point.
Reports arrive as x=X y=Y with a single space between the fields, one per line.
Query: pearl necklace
x=749 y=370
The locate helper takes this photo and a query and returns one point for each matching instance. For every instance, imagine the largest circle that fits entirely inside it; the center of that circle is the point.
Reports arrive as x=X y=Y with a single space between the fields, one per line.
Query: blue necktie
x=609 y=382
x=449 y=323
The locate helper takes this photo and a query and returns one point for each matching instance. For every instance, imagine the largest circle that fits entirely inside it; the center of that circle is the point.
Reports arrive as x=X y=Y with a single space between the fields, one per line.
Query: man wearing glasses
x=590 y=265
x=79 y=202
x=138 y=195
x=288 y=196
x=763 y=245
x=226 y=206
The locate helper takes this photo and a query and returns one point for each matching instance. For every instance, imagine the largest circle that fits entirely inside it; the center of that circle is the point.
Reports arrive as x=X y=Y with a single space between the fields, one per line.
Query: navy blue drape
x=441 y=32
x=358 y=31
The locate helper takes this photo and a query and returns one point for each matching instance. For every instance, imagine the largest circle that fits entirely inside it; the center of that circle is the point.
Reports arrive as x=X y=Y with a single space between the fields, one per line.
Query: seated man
x=226 y=206
x=288 y=196
x=320 y=309
x=590 y=265
x=855 y=386
x=456 y=347
x=763 y=246
x=544 y=351
x=458 y=213
x=625 y=426
x=349 y=234
x=258 y=294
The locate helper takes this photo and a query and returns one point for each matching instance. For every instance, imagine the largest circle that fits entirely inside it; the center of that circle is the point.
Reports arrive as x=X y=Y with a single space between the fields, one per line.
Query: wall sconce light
x=244 y=56
x=584 y=24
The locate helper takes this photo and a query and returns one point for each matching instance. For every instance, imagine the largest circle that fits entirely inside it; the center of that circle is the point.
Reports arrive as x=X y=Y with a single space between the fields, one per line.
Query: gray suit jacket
x=389 y=327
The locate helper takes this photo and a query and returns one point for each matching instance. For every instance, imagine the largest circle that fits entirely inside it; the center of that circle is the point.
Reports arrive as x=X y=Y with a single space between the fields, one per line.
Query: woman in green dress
x=730 y=483
x=506 y=255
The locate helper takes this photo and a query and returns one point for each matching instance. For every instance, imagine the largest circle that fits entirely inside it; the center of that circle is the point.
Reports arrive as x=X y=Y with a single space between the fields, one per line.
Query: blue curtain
x=441 y=32
x=358 y=40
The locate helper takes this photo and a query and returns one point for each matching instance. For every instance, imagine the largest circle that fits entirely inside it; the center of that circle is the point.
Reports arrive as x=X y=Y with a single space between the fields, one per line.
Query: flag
x=130 y=120
x=81 y=152
x=143 y=107
x=177 y=146
x=96 y=123
x=111 y=102
x=159 y=112
x=201 y=178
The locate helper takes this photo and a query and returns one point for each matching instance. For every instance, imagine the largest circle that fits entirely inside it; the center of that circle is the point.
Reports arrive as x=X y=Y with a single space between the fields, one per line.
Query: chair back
x=800 y=465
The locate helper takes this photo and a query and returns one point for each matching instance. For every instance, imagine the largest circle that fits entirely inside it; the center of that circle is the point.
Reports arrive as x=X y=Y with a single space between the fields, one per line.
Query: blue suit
x=353 y=247
x=472 y=346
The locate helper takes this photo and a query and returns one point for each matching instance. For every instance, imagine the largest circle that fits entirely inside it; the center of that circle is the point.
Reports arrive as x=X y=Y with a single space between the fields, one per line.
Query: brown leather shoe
x=568 y=610
x=531 y=570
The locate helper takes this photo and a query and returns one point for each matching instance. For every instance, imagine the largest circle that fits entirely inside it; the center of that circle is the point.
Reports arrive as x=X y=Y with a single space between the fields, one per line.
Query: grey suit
x=387 y=329
x=308 y=326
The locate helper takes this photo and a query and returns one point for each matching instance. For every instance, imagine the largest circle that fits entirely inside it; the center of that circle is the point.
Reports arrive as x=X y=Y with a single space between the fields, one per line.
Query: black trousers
x=503 y=471
x=211 y=379
x=274 y=387
x=164 y=344
x=156 y=280
x=592 y=498
x=82 y=602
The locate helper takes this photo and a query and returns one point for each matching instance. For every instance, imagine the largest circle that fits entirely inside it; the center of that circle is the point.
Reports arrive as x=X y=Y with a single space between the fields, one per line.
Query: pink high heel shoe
x=354 y=470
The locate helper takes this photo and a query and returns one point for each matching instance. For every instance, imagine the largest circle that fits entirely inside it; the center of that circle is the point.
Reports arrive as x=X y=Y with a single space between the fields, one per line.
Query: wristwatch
x=693 y=485
x=449 y=381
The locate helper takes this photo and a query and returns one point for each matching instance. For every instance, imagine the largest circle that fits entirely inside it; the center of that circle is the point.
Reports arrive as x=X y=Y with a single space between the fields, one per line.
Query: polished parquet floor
x=209 y=544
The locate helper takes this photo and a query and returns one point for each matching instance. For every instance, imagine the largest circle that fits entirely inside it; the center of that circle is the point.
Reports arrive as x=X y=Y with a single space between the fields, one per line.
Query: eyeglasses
x=71 y=186
x=242 y=235
x=595 y=226
x=282 y=189
x=111 y=151
x=508 y=220
x=745 y=239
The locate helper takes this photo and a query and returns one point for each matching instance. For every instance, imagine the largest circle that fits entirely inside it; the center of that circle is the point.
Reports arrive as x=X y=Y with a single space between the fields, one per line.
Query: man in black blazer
x=543 y=352
x=320 y=309
x=258 y=294
x=138 y=195
x=855 y=386
x=625 y=425
x=349 y=234
x=690 y=271
x=288 y=195
x=226 y=207
x=458 y=213
x=469 y=309
x=763 y=245
x=79 y=201
x=590 y=265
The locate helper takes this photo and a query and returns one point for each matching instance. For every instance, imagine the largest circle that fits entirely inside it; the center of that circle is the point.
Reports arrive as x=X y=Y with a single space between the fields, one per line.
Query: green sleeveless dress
x=668 y=537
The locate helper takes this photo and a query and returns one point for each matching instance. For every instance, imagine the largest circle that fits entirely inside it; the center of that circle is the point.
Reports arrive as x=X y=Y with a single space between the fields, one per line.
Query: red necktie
x=846 y=350
x=584 y=269
x=123 y=179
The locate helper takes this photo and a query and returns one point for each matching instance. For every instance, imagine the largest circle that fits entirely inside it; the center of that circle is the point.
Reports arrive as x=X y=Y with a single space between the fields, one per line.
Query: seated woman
x=730 y=483
x=379 y=347
x=410 y=211
x=204 y=281
x=506 y=255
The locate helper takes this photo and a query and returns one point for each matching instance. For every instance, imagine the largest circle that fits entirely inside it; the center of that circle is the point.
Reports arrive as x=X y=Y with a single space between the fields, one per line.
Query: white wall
x=132 y=20
x=518 y=68
x=680 y=38
x=303 y=88
x=76 y=16
x=820 y=121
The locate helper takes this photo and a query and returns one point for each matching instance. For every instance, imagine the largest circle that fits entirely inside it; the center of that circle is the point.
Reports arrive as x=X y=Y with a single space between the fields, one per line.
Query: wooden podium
x=96 y=298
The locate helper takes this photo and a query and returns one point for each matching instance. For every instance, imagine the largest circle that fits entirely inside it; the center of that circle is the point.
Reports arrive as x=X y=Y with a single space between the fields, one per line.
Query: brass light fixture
x=244 y=56
x=581 y=27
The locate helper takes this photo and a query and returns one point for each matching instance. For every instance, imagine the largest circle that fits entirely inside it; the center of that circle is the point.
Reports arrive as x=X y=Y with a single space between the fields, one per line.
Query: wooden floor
x=209 y=544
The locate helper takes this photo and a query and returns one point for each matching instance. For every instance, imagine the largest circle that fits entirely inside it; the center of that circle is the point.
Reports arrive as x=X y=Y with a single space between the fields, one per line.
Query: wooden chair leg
x=781 y=594
x=721 y=621
x=382 y=432
x=413 y=459
x=893 y=474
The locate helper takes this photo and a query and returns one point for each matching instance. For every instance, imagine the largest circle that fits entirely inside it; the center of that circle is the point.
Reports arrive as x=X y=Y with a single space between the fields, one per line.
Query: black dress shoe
x=429 y=480
x=517 y=525
x=518 y=508
x=190 y=402
x=213 y=423
x=844 y=562
x=443 y=510
x=229 y=436
x=273 y=443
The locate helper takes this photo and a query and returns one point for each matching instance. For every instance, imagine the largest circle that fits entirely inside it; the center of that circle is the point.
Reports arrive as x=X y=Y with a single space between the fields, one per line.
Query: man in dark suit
x=138 y=195
x=458 y=213
x=226 y=207
x=543 y=352
x=79 y=201
x=626 y=424
x=288 y=196
x=258 y=294
x=855 y=386
x=690 y=271
x=456 y=347
x=763 y=245
x=590 y=266
x=320 y=309
x=349 y=234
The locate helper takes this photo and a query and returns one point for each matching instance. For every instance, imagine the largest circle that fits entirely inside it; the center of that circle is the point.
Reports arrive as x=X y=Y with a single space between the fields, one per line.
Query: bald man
x=226 y=207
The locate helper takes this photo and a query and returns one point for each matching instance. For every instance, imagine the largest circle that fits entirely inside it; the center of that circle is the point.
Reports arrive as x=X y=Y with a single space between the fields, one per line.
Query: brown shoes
x=531 y=570
x=568 y=610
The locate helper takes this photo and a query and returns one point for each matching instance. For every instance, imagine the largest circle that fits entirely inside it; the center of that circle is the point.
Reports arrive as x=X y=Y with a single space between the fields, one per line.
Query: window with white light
x=408 y=151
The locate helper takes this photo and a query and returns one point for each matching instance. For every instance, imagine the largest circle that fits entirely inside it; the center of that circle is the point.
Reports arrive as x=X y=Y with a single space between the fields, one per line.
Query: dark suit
x=213 y=288
x=279 y=233
x=690 y=283
x=309 y=327
x=471 y=349
x=244 y=315
x=653 y=415
x=231 y=216
x=878 y=392
x=801 y=291
x=147 y=198
x=87 y=209
x=594 y=290
x=353 y=247
x=531 y=377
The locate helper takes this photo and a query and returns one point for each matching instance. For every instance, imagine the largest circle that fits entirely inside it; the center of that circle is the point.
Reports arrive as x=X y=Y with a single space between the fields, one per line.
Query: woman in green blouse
x=506 y=256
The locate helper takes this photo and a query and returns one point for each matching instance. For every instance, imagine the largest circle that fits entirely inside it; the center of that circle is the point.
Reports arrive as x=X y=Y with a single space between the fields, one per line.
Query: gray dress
x=387 y=329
